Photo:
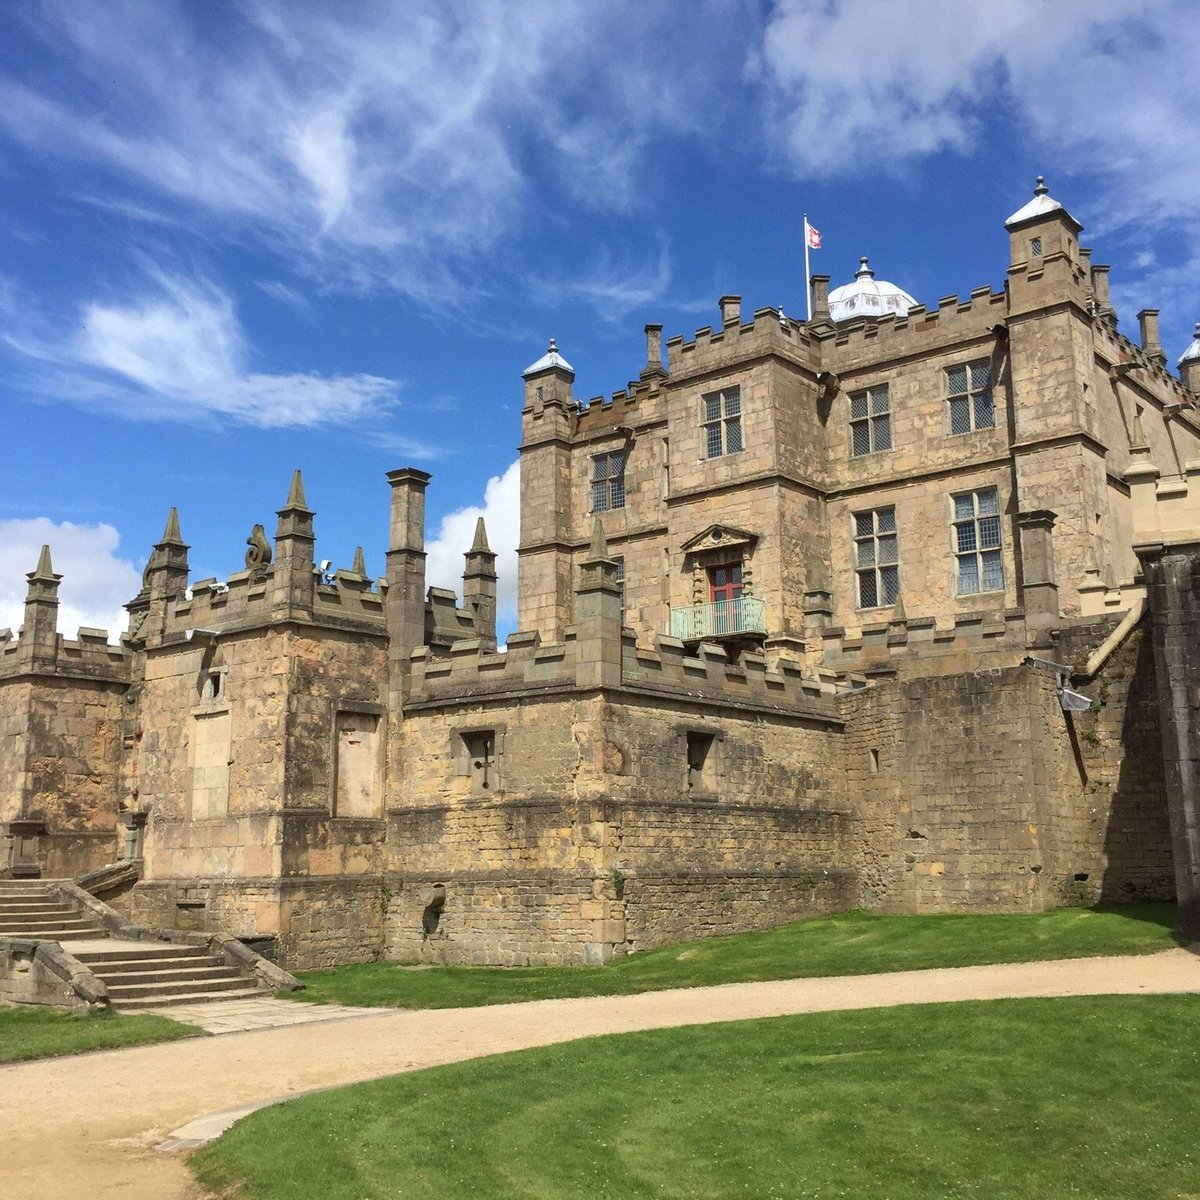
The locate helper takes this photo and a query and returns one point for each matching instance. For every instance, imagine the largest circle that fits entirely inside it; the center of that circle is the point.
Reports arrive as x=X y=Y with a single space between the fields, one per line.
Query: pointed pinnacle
x=296 y=492
x=360 y=563
x=44 y=572
x=898 y=613
x=480 y=542
x=599 y=547
x=171 y=535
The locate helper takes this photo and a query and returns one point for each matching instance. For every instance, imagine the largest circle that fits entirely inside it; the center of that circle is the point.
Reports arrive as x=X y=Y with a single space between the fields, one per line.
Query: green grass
x=1016 y=1100
x=856 y=943
x=39 y=1032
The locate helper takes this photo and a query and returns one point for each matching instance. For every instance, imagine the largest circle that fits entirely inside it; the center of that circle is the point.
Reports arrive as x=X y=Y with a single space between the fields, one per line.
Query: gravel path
x=91 y=1125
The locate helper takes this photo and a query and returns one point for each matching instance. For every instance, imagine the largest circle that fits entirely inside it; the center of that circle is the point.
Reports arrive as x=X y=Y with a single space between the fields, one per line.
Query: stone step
x=200 y=975
x=119 y=968
x=120 y=993
x=41 y=926
x=31 y=912
x=246 y=993
x=157 y=951
x=24 y=891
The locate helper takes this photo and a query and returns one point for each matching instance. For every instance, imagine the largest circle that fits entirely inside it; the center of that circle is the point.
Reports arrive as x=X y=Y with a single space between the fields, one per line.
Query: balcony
x=724 y=618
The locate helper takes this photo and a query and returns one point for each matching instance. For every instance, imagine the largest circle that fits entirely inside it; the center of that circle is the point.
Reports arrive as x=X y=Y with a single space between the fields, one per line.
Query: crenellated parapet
x=668 y=670
x=89 y=655
x=769 y=332
x=922 y=331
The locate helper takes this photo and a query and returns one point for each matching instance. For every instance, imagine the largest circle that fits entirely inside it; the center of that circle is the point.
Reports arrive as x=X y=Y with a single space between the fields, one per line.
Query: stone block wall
x=977 y=791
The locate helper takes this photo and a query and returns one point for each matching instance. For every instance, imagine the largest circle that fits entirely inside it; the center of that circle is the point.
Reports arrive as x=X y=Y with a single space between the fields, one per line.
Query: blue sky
x=240 y=238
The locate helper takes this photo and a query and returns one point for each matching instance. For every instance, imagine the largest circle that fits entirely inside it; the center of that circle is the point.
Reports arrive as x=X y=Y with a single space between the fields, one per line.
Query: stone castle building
x=805 y=613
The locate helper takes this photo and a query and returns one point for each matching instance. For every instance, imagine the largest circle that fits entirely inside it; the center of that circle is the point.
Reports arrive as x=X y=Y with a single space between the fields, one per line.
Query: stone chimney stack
x=406 y=562
x=294 y=583
x=1151 y=346
x=820 y=297
x=731 y=310
x=479 y=586
x=39 y=634
x=1101 y=291
x=654 y=368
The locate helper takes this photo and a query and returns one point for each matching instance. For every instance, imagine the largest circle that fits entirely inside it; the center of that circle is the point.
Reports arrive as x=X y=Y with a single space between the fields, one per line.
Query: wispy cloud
x=177 y=353
x=395 y=148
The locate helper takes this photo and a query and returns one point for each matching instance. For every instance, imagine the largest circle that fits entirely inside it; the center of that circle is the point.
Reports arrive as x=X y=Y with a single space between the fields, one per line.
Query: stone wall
x=977 y=791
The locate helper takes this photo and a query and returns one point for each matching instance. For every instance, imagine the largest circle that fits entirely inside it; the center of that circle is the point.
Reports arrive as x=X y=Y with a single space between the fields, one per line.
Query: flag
x=812 y=236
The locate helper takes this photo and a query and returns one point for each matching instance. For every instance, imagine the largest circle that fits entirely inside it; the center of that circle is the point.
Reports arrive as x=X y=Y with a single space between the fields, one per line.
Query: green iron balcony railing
x=696 y=622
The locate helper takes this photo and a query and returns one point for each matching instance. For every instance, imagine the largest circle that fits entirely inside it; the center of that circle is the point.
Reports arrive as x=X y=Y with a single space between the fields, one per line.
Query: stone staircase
x=153 y=975
x=138 y=974
x=29 y=910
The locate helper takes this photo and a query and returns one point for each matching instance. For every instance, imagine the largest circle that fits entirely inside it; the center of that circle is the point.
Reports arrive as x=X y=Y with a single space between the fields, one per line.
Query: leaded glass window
x=870 y=421
x=876 y=557
x=969 y=393
x=977 y=542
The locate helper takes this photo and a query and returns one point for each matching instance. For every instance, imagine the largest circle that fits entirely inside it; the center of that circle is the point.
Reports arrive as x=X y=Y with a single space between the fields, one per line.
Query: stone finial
x=1041 y=189
x=295 y=498
x=360 y=562
x=1137 y=434
x=899 y=616
x=598 y=551
x=44 y=571
x=481 y=542
x=259 y=554
x=171 y=535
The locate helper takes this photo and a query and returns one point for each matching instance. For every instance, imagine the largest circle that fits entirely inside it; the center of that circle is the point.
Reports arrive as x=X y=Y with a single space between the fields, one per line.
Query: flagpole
x=807 y=272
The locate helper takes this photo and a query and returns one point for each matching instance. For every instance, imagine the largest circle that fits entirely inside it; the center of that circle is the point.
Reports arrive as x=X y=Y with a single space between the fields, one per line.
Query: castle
x=805 y=616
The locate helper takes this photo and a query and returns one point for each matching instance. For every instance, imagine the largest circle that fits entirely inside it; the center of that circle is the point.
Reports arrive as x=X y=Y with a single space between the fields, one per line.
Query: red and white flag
x=812 y=237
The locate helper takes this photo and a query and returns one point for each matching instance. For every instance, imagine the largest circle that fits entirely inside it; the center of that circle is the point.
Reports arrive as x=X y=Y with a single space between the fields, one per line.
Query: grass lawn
x=34 y=1031
x=857 y=943
x=1014 y=1099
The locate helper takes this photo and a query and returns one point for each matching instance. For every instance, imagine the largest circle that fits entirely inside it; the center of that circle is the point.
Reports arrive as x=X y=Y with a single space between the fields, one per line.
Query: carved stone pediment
x=720 y=537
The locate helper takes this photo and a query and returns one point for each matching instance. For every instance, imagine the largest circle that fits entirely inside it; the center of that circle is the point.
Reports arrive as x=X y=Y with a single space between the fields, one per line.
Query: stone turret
x=39 y=634
x=479 y=586
x=1044 y=260
x=406 y=562
x=1189 y=365
x=294 y=581
x=544 y=562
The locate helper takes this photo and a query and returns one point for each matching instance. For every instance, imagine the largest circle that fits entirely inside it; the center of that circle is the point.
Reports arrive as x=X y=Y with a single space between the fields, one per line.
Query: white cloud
x=178 y=353
x=1105 y=90
x=96 y=582
x=501 y=511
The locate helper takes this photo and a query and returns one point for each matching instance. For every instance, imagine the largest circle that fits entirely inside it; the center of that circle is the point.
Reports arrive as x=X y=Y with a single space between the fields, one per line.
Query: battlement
x=470 y=672
x=921 y=330
x=1150 y=372
x=769 y=332
x=88 y=655
x=245 y=598
x=918 y=646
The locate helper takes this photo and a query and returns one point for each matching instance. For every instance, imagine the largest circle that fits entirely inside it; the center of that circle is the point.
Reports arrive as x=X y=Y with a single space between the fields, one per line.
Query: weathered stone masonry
x=777 y=657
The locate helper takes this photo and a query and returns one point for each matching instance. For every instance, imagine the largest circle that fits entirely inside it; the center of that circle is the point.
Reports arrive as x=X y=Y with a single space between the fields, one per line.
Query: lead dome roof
x=868 y=297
